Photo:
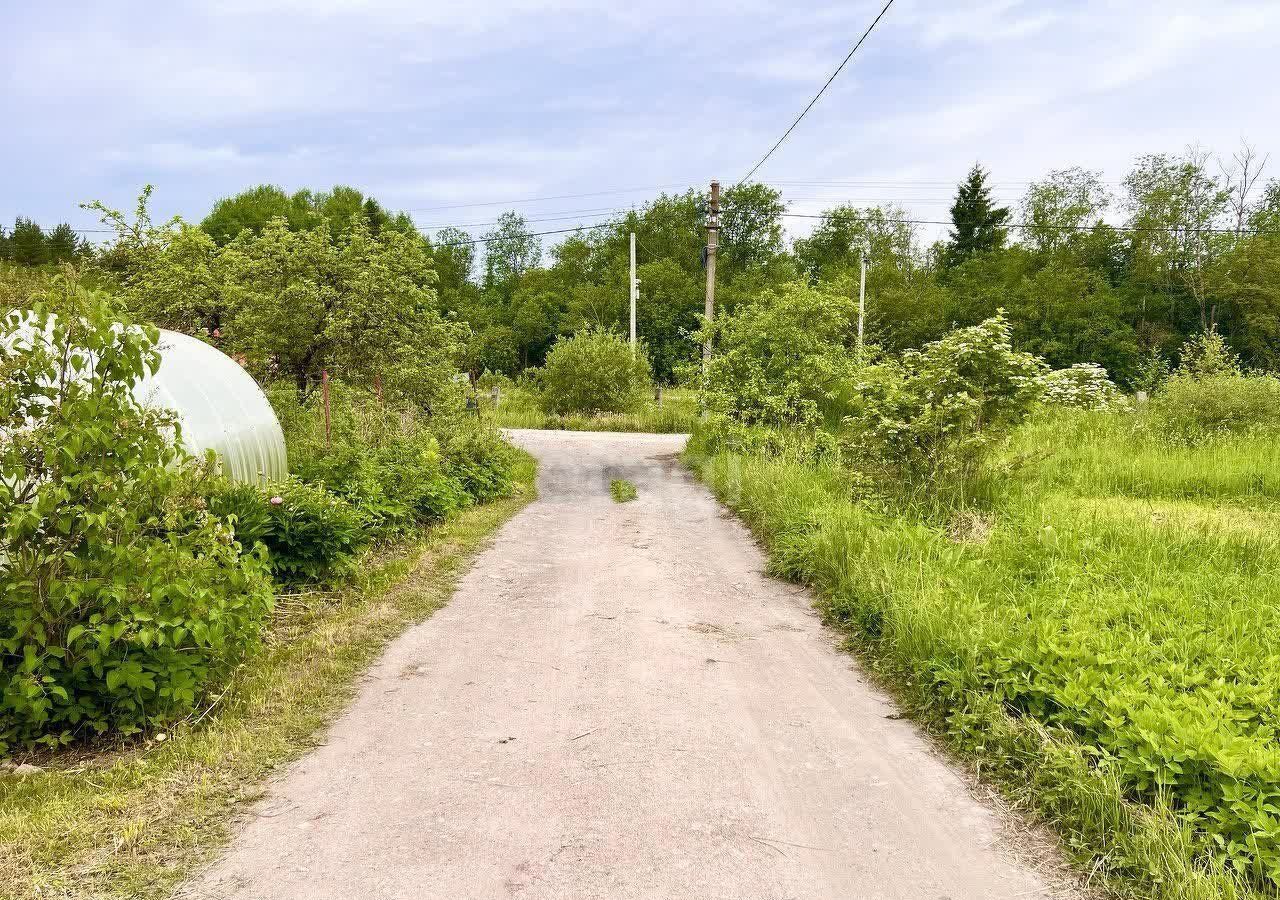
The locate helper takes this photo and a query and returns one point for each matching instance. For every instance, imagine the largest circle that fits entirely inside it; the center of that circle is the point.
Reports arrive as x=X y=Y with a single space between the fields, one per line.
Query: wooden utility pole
x=713 y=241
x=324 y=391
x=633 y=291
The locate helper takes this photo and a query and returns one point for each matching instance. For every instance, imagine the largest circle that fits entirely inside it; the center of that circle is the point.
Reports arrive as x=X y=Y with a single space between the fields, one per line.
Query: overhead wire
x=804 y=112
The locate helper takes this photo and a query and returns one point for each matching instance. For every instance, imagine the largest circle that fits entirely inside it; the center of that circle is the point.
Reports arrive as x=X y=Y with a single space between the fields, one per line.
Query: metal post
x=633 y=293
x=713 y=240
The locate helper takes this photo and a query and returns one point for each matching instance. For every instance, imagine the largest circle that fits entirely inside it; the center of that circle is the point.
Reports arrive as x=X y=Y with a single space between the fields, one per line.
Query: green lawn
x=1101 y=633
x=134 y=821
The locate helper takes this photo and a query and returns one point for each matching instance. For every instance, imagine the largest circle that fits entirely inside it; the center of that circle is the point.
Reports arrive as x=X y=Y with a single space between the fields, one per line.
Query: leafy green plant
x=784 y=358
x=1207 y=354
x=1082 y=386
x=593 y=371
x=479 y=460
x=313 y=534
x=1194 y=408
x=124 y=598
x=245 y=509
x=934 y=414
x=622 y=491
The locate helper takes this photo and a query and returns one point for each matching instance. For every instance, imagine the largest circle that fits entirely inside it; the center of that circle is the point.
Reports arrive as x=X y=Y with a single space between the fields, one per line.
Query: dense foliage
x=27 y=244
x=135 y=578
x=296 y=303
x=1195 y=245
x=593 y=371
x=123 y=596
x=785 y=357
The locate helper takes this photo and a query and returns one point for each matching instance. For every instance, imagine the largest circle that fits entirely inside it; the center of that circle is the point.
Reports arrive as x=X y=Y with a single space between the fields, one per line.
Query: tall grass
x=1101 y=632
x=1108 y=453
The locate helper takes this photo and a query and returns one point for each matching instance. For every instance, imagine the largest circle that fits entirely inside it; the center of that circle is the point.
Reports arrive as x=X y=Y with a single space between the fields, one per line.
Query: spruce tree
x=28 y=244
x=977 y=222
x=61 y=244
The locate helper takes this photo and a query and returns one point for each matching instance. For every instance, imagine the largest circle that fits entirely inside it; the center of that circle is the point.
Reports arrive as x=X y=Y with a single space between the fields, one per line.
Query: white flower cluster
x=1083 y=386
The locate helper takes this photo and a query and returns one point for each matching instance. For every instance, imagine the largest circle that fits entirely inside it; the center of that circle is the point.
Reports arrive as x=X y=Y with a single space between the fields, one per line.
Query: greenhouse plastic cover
x=220 y=406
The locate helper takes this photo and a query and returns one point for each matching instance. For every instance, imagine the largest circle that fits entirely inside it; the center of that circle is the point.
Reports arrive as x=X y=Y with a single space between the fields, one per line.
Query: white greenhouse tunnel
x=220 y=406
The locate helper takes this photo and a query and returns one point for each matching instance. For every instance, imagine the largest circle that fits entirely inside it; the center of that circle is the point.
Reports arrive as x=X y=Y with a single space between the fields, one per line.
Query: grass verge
x=677 y=413
x=135 y=821
x=1107 y=658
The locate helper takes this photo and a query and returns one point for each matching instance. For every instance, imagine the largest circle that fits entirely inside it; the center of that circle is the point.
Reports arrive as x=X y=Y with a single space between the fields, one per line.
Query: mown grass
x=1100 y=633
x=133 y=821
x=675 y=413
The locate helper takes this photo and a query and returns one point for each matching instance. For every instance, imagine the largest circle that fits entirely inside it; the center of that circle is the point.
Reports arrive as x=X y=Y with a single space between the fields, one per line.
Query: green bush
x=1207 y=354
x=786 y=358
x=124 y=598
x=480 y=461
x=244 y=508
x=933 y=415
x=593 y=371
x=312 y=534
x=1192 y=408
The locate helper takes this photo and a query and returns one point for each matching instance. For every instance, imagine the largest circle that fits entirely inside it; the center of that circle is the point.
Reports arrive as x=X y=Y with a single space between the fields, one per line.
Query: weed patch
x=622 y=491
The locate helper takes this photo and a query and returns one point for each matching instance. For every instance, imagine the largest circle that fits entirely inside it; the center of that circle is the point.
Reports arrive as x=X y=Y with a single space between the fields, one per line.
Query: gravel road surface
x=618 y=703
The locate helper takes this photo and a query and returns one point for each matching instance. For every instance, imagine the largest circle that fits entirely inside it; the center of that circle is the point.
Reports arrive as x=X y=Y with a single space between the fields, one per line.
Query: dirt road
x=619 y=704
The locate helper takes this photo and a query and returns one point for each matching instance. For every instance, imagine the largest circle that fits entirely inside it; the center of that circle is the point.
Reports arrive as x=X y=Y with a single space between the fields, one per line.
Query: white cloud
x=178 y=155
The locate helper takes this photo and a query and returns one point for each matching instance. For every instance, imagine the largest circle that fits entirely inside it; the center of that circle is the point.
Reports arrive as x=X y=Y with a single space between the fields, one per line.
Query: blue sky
x=430 y=104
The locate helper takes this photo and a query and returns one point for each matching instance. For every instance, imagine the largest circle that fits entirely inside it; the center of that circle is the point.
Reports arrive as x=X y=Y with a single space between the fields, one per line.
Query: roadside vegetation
x=169 y=635
x=132 y=819
x=1076 y=590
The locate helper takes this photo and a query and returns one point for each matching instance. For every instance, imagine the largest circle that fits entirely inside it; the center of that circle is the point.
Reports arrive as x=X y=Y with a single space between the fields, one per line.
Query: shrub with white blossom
x=1083 y=386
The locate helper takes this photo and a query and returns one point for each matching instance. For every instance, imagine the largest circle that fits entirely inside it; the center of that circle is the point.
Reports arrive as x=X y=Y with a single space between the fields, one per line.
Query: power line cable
x=821 y=91
x=1138 y=229
x=535 y=234
x=656 y=187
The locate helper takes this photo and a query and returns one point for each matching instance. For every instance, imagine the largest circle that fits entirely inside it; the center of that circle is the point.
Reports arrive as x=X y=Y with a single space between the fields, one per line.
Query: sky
x=457 y=111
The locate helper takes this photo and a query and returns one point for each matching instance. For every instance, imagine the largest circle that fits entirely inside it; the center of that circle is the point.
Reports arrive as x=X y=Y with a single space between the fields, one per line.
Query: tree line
x=1189 y=244
x=1195 y=249
x=27 y=244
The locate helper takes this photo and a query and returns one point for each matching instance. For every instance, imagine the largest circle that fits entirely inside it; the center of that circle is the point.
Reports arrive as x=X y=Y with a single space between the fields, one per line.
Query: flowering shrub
x=1083 y=386
x=932 y=415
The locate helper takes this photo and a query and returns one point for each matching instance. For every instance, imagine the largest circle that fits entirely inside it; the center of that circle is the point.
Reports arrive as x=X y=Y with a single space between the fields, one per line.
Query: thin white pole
x=862 y=301
x=633 y=293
